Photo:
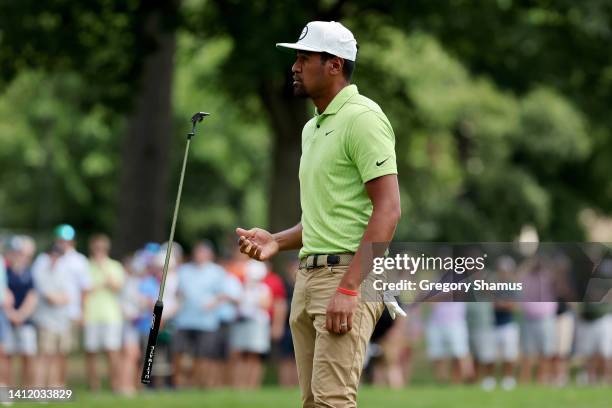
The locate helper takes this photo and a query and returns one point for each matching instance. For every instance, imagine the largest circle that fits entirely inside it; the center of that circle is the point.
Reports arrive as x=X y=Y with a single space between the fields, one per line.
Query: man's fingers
x=328 y=322
x=250 y=248
x=336 y=321
x=243 y=245
x=253 y=250
x=242 y=241
x=245 y=233
x=349 y=322
x=343 y=326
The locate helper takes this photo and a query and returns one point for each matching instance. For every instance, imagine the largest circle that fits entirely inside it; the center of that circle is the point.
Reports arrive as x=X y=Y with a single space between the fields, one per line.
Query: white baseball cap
x=326 y=36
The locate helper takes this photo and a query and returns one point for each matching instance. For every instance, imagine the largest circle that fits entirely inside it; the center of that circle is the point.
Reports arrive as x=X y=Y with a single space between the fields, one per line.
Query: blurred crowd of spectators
x=219 y=319
x=510 y=340
x=225 y=319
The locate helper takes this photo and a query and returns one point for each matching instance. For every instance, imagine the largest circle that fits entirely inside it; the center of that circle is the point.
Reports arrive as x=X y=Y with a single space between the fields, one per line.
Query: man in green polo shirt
x=350 y=198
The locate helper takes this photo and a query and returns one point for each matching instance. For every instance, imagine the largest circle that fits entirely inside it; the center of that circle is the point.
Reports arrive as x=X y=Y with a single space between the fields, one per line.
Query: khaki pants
x=50 y=342
x=329 y=365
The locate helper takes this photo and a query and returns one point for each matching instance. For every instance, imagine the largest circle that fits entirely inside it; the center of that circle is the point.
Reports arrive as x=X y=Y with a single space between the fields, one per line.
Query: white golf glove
x=392 y=306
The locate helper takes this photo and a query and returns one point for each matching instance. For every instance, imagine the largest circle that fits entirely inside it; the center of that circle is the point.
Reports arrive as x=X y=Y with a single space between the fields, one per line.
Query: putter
x=149 y=355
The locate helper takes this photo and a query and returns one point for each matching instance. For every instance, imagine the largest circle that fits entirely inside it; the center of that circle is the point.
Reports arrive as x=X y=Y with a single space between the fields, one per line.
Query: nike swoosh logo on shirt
x=382 y=162
x=327 y=133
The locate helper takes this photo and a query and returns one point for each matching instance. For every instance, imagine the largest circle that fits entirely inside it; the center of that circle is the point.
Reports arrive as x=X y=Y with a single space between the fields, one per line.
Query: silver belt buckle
x=311 y=261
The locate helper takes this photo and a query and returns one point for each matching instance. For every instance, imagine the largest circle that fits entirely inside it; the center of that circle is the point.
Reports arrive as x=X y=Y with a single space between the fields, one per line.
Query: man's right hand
x=257 y=243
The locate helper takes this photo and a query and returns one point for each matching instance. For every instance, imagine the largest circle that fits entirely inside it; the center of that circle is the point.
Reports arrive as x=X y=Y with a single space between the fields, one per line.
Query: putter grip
x=147 y=368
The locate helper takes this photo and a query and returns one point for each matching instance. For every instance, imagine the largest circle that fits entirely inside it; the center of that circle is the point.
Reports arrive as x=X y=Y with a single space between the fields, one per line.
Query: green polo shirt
x=349 y=144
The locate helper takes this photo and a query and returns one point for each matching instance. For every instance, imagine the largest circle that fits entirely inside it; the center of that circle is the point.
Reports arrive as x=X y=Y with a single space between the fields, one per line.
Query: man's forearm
x=290 y=238
x=29 y=304
x=381 y=228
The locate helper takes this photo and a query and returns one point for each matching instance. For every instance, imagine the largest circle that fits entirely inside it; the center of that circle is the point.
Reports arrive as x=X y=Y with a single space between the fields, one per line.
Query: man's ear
x=337 y=64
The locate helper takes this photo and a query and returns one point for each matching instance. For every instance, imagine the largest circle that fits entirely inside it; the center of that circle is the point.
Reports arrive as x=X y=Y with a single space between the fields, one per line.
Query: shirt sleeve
x=119 y=273
x=83 y=272
x=41 y=284
x=371 y=145
x=30 y=283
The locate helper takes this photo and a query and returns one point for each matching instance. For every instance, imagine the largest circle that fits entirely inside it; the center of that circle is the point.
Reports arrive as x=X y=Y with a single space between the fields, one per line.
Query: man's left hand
x=340 y=313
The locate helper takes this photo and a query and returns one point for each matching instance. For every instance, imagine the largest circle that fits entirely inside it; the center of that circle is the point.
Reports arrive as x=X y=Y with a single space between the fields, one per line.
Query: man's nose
x=296 y=67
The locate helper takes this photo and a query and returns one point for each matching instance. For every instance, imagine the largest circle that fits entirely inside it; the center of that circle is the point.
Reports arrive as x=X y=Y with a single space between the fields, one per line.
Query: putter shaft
x=149 y=355
x=174 y=217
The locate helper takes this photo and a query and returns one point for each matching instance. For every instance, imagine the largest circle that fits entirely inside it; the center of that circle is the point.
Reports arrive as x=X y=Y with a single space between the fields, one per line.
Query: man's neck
x=18 y=269
x=323 y=101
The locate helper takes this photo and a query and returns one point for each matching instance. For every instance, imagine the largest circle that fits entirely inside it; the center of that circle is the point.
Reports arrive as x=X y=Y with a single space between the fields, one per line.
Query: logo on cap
x=304 y=32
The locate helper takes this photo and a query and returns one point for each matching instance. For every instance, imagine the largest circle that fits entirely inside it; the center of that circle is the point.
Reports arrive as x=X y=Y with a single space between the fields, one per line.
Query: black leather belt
x=316 y=261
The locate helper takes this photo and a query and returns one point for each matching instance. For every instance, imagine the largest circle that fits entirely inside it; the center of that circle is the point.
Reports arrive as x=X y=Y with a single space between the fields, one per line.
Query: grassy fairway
x=422 y=397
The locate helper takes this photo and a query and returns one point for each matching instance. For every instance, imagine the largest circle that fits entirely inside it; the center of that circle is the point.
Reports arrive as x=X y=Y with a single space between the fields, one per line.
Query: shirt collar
x=339 y=100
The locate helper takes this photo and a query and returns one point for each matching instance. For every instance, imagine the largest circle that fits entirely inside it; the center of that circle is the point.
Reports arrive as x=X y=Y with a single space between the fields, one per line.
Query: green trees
x=499 y=108
x=477 y=162
x=58 y=159
x=122 y=51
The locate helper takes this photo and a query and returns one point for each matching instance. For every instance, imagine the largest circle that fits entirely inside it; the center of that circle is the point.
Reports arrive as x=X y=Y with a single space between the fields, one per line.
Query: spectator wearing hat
x=53 y=320
x=76 y=266
x=21 y=335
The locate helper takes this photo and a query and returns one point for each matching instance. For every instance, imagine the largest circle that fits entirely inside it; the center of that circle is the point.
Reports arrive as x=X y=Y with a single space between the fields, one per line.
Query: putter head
x=198 y=117
x=194 y=121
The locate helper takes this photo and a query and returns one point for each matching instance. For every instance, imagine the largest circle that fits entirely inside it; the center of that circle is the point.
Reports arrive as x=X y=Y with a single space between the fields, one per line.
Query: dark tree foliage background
x=500 y=110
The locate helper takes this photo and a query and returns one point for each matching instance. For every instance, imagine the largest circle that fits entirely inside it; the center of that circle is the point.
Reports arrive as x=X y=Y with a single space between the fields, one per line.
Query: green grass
x=422 y=397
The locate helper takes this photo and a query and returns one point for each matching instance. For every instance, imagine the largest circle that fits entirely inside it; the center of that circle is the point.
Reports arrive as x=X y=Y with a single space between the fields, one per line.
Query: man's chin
x=299 y=91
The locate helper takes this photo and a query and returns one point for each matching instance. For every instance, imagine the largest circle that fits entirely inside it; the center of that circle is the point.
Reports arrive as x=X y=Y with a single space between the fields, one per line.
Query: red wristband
x=347 y=291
